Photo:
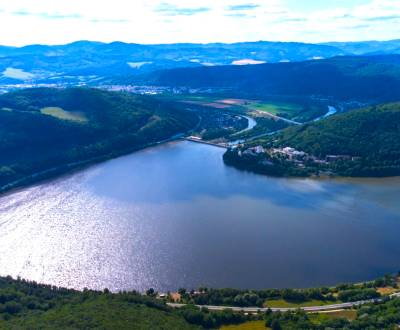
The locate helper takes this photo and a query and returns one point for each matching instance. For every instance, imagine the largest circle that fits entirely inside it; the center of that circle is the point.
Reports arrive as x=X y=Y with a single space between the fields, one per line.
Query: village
x=301 y=159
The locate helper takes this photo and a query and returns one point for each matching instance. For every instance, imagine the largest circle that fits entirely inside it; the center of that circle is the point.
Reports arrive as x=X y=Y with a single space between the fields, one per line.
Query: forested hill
x=28 y=305
x=47 y=128
x=375 y=78
x=372 y=134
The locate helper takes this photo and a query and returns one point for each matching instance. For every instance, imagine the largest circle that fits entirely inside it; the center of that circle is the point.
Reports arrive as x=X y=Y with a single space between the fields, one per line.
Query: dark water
x=176 y=216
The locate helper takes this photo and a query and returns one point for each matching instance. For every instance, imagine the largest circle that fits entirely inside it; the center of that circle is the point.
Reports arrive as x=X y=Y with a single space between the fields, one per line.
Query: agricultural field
x=281 y=303
x=60 y=113
x=251 y=325
x=275 y=108
x=297 y=109
x=314 y=318
x=318 y=318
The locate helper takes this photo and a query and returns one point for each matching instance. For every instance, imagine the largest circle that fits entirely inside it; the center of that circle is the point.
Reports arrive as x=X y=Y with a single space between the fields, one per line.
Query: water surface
x=175 y=216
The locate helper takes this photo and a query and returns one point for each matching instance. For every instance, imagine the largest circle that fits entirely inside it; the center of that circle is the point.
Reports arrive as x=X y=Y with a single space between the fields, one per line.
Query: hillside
x=366 y=141
x=375 y=78
x=97 y=62
x=372 y=47
x=46 y=128
x=28 y=305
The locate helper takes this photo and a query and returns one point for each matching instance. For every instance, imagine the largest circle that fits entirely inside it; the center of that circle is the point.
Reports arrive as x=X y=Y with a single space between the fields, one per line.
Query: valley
x=168 y=180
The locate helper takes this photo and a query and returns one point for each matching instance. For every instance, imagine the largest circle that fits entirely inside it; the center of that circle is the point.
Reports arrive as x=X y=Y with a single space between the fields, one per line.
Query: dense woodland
x=374 y=78
x=109 y=124
x=251 y=298
x=371 y=134
x=369 y=137
x=29 y=305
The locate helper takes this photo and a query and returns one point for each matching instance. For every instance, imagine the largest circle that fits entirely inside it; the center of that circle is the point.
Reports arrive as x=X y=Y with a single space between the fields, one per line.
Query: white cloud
x=166 y=21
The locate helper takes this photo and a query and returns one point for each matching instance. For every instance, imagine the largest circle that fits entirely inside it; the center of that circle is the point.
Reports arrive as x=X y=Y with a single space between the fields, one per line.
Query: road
x=268 y=114
x=307 y=309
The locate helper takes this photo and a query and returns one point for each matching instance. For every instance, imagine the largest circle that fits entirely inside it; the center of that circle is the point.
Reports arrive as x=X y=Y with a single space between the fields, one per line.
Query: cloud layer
x=154 y=21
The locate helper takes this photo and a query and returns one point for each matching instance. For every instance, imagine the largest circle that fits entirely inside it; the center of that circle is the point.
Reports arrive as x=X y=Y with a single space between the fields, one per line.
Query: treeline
x=374 y=78
x=31 y=142
x=29 y=305
x=370 y=135
x=378 y=316
x=257 y=298
x=365 y=143
x=274 y=167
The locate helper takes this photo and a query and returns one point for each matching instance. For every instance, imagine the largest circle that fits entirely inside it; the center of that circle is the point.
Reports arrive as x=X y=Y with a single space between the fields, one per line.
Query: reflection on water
x=175 y=216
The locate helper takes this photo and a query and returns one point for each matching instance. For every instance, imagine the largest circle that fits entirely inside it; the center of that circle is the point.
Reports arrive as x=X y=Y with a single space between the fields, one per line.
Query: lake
x=175 y=216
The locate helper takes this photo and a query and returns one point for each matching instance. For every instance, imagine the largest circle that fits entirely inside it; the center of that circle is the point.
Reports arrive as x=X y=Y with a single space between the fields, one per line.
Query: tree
x=150 y=292
x=276 y=325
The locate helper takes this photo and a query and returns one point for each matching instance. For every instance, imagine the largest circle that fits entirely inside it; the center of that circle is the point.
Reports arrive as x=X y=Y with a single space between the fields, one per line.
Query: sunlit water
x=175 y=216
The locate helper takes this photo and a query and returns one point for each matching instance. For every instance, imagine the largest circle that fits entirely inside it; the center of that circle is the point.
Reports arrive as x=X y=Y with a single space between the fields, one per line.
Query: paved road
x=266 y=113
x=307 y=309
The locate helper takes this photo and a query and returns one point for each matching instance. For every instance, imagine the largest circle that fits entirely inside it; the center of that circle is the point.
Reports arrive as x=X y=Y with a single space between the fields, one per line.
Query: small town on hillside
x=298 y=158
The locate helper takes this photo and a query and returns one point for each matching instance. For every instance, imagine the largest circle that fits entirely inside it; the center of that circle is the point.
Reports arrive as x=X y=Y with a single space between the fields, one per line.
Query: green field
x=300 y=110
x=272 y=107
x=275 y=107
x=281 y=303
x=60 y=113
x=315 y=318
x=318 y=318
x=251 y=325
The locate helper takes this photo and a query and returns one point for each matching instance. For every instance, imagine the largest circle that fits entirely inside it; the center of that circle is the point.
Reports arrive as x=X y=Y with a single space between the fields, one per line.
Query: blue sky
x=167 y=21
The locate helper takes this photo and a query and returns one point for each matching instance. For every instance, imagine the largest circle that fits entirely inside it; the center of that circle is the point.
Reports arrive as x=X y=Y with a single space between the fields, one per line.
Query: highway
x=306 y=309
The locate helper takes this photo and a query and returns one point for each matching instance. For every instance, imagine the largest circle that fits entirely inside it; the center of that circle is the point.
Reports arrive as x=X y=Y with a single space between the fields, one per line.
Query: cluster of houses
x=295 y=156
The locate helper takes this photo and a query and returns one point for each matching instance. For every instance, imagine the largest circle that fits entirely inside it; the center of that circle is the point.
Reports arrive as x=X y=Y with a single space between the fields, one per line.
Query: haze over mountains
x=93 y=62
x=366 y=78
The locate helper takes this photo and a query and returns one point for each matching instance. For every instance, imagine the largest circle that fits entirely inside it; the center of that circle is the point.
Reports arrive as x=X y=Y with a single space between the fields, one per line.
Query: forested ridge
x=371 y=134
x=358 y=143
x=372 y=78
x=30 y=305
x=44 y=128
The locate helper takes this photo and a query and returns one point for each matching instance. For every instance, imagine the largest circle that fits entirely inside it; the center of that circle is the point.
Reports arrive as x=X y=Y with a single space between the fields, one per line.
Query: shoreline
x=69 y=168
x=59 y=171
x=267 y=172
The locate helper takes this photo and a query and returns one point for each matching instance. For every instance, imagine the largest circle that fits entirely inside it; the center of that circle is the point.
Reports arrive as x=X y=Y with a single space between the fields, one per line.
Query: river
x=175 y=216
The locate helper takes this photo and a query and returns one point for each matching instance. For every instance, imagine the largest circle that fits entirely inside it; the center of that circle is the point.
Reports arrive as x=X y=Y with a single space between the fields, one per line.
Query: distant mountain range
x=368 y=47
x=366 y=78
x=89 y=62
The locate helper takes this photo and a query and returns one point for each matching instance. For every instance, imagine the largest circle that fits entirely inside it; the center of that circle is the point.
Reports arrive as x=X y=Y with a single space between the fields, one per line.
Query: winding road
x=306 y=309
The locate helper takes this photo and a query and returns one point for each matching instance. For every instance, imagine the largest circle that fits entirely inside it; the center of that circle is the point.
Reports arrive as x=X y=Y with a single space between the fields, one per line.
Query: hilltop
x=362 y=142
